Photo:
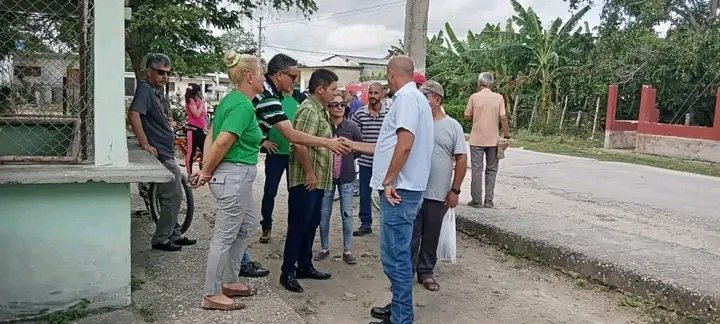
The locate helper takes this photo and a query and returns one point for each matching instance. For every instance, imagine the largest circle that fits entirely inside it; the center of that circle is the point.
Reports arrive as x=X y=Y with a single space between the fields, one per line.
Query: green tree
x=181 y=29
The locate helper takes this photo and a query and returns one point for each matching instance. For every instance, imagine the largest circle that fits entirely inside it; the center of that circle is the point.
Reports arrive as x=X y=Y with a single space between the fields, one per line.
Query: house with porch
x=65 y=163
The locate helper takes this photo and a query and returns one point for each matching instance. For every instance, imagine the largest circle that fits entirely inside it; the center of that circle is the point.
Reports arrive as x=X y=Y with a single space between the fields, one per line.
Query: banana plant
x=546 y=47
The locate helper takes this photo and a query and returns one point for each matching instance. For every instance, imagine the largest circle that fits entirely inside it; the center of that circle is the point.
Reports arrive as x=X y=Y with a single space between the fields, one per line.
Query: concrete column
x=416 y=24
x=611 y=107
x=108 y=86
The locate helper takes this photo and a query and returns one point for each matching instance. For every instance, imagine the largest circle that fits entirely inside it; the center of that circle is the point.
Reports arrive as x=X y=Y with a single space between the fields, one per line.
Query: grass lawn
x=576 y=146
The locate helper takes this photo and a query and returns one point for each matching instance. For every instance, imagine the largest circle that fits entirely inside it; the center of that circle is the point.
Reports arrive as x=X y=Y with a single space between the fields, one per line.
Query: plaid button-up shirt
x=312 y=118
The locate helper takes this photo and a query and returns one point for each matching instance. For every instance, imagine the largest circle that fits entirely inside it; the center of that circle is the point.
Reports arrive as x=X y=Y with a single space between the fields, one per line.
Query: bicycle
x=148 y=192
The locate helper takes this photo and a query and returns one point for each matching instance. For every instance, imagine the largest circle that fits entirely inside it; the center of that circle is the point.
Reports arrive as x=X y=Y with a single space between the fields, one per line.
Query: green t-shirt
x=290 y=106
x=236 y=114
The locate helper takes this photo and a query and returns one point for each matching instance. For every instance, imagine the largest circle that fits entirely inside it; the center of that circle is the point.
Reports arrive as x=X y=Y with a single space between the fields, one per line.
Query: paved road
x=654 y=221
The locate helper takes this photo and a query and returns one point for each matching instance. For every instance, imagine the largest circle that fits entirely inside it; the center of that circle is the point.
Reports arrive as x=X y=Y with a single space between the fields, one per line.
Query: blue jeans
x=246 y=258
x=396 y=230
x=275 y=165
x=365 y=197
x=346 y=205
x=304 y=209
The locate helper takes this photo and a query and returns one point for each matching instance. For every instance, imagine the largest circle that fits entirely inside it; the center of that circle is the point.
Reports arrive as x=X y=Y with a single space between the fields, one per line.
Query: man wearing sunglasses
x=282 y=73
x=149 y=120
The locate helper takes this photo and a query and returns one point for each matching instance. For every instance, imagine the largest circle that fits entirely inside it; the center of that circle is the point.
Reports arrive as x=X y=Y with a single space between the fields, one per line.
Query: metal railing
x=46 y=81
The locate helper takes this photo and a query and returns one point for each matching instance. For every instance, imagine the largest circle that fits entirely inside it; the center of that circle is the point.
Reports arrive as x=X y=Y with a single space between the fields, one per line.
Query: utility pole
x=416 y=25
x=260 y=38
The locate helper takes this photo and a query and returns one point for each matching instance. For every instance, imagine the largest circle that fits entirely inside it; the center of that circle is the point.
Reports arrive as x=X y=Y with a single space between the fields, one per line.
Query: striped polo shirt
x=370 y=129
x=268 y=107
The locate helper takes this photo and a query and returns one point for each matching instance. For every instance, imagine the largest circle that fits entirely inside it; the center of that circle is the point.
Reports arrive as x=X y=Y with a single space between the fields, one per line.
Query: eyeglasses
x=292 y=76
x=161 y=72
x=336 y=105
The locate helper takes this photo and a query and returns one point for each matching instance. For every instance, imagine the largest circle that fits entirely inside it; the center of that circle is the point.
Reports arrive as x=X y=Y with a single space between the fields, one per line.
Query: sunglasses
x=336 y=105
x=292 y=76
x=161 y=72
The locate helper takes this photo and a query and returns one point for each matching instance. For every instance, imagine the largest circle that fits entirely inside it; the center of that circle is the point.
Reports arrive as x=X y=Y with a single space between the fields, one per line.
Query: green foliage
x=73 y=313
x=179 y=28
x=457 y=112
x=542 y=61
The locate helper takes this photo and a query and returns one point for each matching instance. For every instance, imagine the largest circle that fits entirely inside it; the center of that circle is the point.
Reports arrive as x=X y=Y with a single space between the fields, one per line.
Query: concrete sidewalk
x=649 y=231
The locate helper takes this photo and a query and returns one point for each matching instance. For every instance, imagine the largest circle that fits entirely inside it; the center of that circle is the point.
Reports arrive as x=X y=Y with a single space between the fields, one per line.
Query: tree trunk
x=514 y=112
x=416 y=24
x=135 y=64
x=562 y=117
x=534 y=113
x=595 y=121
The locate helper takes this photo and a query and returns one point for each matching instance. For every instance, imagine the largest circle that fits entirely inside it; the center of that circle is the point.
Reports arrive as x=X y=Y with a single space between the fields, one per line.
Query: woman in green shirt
x=231 y=156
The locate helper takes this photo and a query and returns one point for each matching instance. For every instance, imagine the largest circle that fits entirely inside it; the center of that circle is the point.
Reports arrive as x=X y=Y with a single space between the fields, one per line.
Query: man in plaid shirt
x=310 y=176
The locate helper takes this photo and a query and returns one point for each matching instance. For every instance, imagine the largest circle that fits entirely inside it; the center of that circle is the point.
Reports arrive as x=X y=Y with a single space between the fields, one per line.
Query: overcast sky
x=343 y=26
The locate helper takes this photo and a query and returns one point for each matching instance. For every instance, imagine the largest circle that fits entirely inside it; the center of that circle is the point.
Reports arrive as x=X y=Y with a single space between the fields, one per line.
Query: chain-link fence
x=46 y=80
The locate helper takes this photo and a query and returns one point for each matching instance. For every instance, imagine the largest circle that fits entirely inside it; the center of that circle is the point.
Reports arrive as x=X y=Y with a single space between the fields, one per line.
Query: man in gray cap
x=442 y=189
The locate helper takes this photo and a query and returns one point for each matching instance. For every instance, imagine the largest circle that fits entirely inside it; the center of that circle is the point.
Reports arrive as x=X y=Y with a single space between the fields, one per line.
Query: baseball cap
x=434 y=87
x=419 y=78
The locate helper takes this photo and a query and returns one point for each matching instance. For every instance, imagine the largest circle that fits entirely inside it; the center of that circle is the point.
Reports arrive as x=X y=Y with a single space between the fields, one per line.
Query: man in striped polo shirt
x=282 y=72
x=369 y=119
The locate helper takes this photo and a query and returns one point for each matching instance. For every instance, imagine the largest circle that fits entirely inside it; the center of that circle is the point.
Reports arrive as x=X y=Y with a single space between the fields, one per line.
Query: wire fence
x=46 y=81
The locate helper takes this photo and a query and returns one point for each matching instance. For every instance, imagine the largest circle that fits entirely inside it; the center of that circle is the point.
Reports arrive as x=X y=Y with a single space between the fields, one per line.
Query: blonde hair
x=239 y=65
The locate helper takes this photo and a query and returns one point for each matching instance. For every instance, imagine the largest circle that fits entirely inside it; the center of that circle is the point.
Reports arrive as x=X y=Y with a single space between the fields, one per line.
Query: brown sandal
x=238 y=293
x=430 y=284
x=211 y=305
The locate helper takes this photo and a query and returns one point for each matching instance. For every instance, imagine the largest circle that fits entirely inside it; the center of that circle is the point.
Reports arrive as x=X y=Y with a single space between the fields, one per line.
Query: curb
x=670 y=296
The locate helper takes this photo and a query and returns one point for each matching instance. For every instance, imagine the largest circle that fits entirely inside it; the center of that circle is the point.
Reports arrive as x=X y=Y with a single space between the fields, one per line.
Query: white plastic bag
x=446 y=242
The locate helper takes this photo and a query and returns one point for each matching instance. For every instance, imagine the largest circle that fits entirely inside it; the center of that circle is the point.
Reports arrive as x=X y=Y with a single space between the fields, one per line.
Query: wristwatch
x=455 y=191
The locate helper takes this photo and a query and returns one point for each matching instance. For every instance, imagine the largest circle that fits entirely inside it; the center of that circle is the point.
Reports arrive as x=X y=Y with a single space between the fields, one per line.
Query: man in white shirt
x=401 y=168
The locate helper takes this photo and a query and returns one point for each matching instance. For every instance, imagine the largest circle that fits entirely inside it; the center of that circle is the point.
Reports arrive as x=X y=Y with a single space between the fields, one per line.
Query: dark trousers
x=304 y=212
x=365 y=197
x=426 y=233
x=275 y=165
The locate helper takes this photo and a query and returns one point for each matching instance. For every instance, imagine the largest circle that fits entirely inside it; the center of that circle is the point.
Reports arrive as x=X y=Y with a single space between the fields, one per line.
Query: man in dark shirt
x=149 y=120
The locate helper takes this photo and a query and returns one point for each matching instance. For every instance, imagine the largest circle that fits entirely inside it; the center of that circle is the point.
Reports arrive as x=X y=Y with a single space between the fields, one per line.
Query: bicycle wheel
x=187 y=206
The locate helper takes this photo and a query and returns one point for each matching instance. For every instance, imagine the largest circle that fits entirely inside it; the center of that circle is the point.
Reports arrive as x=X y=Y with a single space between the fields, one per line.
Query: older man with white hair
x=486 y=109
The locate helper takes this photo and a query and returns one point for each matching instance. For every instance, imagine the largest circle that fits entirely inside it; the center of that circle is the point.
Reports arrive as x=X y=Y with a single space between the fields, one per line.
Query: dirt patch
x=485 y=286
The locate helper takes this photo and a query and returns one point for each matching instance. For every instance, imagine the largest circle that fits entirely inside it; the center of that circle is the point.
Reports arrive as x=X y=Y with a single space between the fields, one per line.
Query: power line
x=342 y=13
x=299 y=50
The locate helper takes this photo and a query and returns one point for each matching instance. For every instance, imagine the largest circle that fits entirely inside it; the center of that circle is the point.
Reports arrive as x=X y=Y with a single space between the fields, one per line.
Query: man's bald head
x=402 y=65
x=400 y=71
x=376 y=86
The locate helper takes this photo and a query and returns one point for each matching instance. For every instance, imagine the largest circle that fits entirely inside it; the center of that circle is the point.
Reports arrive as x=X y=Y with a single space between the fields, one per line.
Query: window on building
x=28 y=71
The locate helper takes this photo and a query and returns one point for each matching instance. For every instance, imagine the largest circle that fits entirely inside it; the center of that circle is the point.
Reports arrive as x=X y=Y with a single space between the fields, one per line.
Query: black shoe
x=313 y=274
x=290 y=283
x=185 y=241
x=489 y=204
x=169 y=246
x=253 y=270
x=385 y=321
x=362 y=231
x=382 y=313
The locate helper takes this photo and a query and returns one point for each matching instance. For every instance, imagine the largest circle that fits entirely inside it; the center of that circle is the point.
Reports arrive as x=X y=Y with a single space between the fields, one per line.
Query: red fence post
x=646 y=105
x=611 y=107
